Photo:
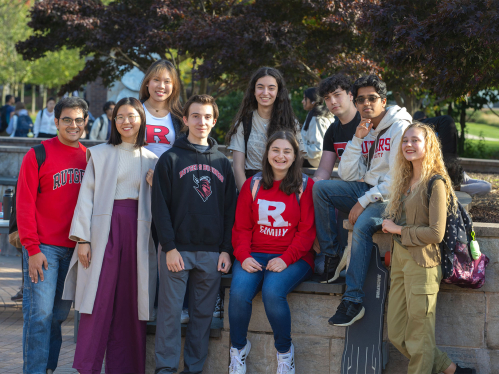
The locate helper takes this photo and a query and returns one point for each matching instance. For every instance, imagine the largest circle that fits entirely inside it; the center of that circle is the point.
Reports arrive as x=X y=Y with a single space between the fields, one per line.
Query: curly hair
x=370 y=81
x=334 y=82
x=282 y=117
x=433 y=163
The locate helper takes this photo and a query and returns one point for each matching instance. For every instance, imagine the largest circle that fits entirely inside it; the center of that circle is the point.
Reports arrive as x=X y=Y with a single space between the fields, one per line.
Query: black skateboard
x=364 y=349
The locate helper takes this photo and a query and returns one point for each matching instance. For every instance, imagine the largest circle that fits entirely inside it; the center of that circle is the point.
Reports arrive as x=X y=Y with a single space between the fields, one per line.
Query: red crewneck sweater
x=45 y=216
x=275 y=223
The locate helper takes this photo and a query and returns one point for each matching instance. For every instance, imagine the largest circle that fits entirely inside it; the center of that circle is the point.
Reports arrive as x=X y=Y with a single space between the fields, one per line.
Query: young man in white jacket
x=362 y=192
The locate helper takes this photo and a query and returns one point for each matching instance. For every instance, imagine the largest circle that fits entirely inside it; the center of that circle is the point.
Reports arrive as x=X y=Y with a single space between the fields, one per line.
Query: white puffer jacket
x=353 y=165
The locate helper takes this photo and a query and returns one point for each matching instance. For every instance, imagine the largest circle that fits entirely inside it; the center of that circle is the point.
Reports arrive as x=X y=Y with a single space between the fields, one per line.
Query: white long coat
x=92 y=222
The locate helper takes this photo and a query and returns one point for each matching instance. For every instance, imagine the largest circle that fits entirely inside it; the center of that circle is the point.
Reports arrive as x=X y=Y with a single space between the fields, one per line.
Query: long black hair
x=282 y=117
x=319 y=109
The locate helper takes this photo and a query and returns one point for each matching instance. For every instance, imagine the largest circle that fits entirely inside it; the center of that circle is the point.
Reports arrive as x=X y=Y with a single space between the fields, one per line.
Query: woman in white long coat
x=112 y=275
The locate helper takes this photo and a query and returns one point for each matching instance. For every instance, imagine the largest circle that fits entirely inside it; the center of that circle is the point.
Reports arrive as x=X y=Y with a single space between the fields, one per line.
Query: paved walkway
x=11 y=324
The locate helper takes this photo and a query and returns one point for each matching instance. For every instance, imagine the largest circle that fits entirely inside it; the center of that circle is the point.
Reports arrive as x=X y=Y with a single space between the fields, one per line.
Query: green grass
x=481 y=129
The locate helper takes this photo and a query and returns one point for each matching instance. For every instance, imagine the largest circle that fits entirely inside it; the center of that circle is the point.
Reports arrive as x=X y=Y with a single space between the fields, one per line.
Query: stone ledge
x=309 y=286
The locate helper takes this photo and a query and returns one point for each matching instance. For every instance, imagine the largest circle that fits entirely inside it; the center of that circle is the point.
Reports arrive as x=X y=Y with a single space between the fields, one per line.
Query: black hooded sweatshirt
x=194 y=199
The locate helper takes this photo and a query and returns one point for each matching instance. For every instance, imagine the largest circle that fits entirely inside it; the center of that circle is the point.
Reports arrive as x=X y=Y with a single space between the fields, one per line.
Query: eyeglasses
x=371 y=98
x=121 y=119
x=69 y=121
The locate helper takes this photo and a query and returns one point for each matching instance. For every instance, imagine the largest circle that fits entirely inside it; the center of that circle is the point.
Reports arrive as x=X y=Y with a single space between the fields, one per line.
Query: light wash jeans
x=44 y=311
x=341 y=195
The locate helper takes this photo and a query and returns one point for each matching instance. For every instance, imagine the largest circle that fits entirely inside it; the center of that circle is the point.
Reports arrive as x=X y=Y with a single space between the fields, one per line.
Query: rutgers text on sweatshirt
x=275 y=223
x=44 y=215
x=353 y=165
x=194 y=199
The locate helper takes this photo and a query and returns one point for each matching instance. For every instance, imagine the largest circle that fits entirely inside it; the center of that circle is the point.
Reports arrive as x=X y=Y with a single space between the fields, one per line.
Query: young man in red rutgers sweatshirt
x=46 y=198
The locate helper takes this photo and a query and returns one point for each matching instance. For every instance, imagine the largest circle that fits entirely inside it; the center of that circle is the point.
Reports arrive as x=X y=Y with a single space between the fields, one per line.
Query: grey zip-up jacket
x=353 y=165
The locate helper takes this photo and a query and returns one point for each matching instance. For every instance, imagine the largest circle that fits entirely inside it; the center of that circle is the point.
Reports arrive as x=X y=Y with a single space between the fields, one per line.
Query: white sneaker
x=238 y=359
x=50 y=371
x=286 y=362
x=184 y=318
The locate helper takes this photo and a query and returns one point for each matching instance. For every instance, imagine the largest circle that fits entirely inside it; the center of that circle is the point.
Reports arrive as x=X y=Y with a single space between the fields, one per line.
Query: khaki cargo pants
x=412 y=304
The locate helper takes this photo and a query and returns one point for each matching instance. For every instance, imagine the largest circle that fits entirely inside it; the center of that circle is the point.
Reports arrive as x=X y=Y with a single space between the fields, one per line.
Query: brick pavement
x=11 y=324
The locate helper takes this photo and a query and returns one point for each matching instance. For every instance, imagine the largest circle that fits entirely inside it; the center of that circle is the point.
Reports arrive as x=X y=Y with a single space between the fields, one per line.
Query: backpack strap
x=40 y=155
x=257 y=179
x=430 y=185
x=255 y=184
x=303 y=187
x=374 y=146
x=247 y=125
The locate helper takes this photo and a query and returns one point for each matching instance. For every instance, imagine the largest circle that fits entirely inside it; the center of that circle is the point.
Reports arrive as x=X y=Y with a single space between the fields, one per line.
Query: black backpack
x=40 y=155
x=458 y=266
x=3 y=118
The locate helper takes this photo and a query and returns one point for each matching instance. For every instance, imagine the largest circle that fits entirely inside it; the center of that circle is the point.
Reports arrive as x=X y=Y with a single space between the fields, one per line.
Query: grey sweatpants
x=204 y=283
x=475 y=186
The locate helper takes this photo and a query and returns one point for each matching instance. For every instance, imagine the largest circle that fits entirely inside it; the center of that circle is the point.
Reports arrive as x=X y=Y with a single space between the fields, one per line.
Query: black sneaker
x=460 y=370
x=219 y=308
x=18 y=296
x=348 y=312
x=333 y=265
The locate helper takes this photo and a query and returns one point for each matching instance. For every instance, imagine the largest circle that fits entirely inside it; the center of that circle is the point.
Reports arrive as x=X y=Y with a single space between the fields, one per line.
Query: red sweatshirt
x=275 y=223
x=45 y=216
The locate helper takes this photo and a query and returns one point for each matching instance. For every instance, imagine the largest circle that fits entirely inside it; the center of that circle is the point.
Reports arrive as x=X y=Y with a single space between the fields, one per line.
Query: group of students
x=160 y=185
x=15 y=120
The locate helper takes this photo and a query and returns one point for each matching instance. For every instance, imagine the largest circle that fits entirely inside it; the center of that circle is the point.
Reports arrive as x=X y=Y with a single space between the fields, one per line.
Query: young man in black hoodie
x=193 y=207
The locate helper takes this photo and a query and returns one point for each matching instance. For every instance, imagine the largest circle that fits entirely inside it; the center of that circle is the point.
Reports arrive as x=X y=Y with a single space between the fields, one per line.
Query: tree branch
x=492 y=110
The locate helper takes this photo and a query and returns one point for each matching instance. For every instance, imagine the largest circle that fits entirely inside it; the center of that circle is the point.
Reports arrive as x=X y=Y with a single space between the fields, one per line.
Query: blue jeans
x=275 y=288
x=44 y=311
x=342 y=195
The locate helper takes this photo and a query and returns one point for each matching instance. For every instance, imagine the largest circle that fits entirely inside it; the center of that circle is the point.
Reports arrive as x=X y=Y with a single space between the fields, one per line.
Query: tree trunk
x=44 y=95
x=204 y=86
x=450 y=112
x=462 y=122
x=438 y=112
x=22 y=92
x=4 y=92
x=33 y=99
x=410 y=102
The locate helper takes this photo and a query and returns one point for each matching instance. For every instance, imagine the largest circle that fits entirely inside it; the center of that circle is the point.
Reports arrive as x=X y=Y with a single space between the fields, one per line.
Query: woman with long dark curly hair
x=265 y=109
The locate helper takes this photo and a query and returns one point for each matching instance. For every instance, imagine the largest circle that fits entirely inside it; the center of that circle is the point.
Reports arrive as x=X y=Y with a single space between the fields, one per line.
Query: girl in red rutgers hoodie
x=272 y=238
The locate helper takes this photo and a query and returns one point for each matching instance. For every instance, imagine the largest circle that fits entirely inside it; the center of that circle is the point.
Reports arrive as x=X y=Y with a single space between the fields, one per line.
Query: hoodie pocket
x=199 y=229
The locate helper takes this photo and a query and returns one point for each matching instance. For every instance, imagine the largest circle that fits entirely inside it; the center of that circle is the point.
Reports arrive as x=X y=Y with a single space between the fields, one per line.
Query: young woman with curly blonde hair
x=418 y=226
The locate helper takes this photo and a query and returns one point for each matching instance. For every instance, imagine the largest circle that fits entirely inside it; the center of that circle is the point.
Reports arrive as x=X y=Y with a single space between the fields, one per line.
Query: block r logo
x=157 y=134
x=264 y=213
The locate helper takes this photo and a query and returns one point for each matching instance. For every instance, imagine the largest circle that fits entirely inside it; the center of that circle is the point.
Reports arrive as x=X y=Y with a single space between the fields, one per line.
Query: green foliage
x=228 y=107
x=56 y=68
x=52 y=70
x=296 y=99
x=481 y=148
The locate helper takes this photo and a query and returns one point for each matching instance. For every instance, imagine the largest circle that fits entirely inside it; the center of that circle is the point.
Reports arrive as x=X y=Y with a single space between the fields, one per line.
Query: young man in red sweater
x=46 y=198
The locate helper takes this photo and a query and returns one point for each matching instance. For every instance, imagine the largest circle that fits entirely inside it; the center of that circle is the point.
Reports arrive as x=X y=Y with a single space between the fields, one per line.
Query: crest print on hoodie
x=203 y=187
